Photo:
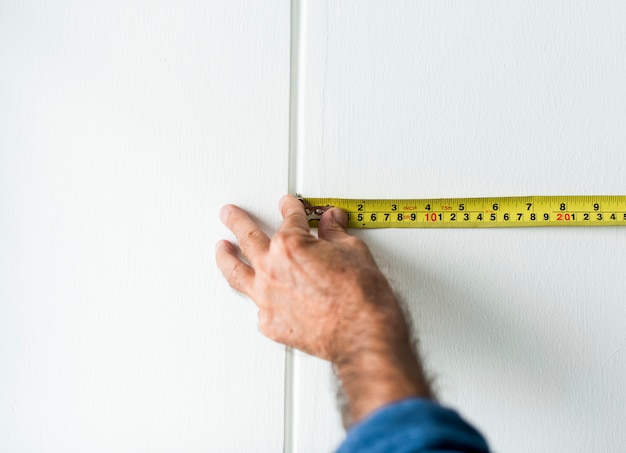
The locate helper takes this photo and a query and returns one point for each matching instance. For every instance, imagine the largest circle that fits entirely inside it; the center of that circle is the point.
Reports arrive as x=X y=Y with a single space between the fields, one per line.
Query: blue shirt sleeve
x=413 y=425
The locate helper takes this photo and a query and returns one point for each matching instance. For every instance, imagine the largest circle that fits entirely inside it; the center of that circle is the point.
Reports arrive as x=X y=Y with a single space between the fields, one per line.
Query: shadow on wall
x=493 y=337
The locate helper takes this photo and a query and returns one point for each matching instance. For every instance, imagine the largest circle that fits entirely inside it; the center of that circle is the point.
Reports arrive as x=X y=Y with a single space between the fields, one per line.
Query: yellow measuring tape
x=489 y=212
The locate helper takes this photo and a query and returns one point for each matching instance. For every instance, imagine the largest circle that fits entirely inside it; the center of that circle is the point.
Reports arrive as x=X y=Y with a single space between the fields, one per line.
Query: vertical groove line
x=289 y=399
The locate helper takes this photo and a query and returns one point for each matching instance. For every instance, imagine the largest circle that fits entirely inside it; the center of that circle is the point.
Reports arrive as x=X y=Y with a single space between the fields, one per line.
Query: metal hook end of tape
x=313 y=212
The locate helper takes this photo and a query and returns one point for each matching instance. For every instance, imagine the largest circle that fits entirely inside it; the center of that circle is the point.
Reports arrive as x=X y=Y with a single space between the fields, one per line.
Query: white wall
x=523 y=330
x=124 y=126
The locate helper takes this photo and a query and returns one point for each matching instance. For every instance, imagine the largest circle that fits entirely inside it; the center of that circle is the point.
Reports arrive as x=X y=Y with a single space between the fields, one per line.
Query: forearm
x=378 y=364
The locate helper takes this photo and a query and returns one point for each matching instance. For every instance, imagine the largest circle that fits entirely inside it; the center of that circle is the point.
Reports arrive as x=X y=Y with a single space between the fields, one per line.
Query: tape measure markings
x=485 y=212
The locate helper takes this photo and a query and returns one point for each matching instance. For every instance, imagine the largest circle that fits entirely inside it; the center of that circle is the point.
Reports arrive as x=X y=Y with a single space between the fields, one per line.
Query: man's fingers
x=252 y=240
x=237 y=273
x=333 y=225
x=294 y=214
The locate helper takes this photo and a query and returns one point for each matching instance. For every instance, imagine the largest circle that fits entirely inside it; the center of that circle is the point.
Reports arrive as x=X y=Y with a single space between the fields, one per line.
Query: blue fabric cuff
x=414 y=425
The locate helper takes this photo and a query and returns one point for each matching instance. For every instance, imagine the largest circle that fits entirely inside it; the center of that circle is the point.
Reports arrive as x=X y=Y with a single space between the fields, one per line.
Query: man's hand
x=309 y=291
x=327 y=297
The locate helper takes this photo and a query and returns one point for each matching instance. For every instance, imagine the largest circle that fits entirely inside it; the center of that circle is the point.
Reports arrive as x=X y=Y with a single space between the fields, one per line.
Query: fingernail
x=224 y=213
x=223 y=244
x=339 y=215
x=282 y=201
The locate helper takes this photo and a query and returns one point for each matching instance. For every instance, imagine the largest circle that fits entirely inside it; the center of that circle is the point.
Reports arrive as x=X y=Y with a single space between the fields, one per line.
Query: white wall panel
x=522 y=329
x=124 y=126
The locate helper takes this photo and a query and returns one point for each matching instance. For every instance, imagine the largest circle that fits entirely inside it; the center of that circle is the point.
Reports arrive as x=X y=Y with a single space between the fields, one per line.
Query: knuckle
x=235 y=275
x=253 y=237
x=356 y=243
x=288 y=242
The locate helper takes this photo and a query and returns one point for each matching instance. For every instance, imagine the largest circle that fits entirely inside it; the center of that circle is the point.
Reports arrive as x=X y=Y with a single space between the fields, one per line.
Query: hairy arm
x=327 y=297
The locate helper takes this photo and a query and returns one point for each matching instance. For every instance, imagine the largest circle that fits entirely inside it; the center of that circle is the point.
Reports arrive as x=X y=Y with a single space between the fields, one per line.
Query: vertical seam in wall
x=294 y=73
x=289 y=400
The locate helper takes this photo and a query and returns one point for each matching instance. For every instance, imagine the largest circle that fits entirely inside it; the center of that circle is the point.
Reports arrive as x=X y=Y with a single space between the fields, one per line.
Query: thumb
x=333 y=225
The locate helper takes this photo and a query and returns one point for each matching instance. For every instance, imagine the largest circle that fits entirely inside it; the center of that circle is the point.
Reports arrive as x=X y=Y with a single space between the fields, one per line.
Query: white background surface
x=125 y=126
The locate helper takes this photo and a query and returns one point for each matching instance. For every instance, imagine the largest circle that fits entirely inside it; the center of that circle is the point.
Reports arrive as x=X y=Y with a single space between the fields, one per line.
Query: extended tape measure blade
x=485 y=212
